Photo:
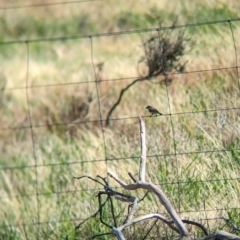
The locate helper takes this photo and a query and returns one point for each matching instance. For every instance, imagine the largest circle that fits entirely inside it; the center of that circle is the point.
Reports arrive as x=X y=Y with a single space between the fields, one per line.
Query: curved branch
x=161 y=196
x=120 y=97
x=196 y=224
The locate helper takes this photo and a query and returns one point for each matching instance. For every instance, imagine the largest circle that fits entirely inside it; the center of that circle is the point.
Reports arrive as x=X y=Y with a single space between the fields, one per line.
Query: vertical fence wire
x=33 y=141
x=99 y=105
x=235 y=51
x=170 y=116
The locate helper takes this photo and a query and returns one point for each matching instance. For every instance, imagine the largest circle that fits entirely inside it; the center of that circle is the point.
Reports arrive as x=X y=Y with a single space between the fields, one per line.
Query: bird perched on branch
x=153 y=111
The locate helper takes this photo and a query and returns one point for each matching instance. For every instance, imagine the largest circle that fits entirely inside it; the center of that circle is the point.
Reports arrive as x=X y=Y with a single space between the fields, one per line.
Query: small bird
x=153 y=111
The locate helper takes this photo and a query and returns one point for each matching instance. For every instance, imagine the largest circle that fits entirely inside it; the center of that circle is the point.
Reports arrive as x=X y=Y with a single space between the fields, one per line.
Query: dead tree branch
x=142 y=184
x=175 y=223
x=151 y=187
x=161 y=196
x=221 y=235
x=162 y=56
x=120 y=98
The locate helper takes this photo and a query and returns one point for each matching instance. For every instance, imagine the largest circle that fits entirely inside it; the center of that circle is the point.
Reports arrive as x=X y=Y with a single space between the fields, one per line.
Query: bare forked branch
x=151 y=187
x=174 y=222
x=161 y=196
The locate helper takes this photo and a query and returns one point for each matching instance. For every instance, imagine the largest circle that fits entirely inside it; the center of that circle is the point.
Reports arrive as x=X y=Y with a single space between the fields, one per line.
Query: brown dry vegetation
x=68 y=139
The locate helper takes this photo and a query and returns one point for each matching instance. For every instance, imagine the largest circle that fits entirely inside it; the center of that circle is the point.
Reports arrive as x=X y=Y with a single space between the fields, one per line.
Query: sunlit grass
x=193 y=154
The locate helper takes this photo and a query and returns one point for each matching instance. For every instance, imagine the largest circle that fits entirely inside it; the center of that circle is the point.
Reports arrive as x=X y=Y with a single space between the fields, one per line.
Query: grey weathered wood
x=221 y=235
x=150 y=186
x=141 y=183
x=118 y=233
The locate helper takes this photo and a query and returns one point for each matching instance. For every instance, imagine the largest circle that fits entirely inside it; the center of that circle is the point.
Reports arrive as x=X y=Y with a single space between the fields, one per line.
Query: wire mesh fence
x=54 y=106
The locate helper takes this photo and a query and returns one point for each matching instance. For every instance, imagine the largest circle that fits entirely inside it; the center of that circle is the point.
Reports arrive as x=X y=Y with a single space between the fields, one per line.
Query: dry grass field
x=51 y=104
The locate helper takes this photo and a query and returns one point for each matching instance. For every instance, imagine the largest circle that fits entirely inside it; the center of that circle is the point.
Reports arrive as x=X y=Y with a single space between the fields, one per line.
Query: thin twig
x=120 y=98
x=150 y=229
x=132 y=177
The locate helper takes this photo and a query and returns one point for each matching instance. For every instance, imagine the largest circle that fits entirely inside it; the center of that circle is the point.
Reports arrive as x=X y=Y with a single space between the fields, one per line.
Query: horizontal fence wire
x=118 y=79
x=126 y=32
x=175 y=153
x=37 y=5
